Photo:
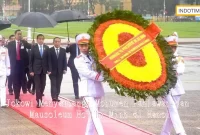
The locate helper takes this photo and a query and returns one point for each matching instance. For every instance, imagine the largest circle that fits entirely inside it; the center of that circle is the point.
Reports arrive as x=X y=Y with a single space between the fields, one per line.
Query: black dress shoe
x=58 y=100
x=29 y=90
x=17 y=101
x=76 y=97
x=38 y=106
x=33 y=92
x=24 y=92
x=10 y=93
x=54 y=100
x=39 y=103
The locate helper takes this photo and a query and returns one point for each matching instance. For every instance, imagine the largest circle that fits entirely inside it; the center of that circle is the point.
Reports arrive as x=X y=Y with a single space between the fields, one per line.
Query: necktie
x=88 y=57
x=18 y=50
x=41 y=51
x=57 y=52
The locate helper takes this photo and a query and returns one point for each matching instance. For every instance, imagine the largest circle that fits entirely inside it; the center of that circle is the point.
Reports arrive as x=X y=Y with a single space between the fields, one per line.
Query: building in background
x=10 y=9
x=182 y=2
x=113 y=4
x=127 y=4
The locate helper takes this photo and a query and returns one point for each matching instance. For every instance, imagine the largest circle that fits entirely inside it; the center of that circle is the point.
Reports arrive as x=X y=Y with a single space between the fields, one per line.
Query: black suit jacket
x=72 y=50
x=38 y=64
x=57 y=65
x=24 y=45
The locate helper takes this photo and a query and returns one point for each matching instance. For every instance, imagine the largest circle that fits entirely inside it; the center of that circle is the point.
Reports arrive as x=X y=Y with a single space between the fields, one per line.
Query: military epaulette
x=79 y=56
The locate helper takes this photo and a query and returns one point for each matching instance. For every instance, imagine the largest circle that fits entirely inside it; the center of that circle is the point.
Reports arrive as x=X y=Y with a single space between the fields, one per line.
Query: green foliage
x=82 y=27
x=166 y=50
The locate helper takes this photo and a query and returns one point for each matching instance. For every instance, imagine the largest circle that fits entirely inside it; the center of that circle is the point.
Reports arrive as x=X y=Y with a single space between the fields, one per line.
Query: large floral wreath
x=149 y=72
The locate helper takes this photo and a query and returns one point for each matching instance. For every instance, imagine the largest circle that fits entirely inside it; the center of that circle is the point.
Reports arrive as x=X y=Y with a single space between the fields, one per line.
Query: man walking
x=90 y=86
x=18 y=61
x=30 y=82
x=74 y=52
x=172 y=99
x=38 y=67
x=57 y=67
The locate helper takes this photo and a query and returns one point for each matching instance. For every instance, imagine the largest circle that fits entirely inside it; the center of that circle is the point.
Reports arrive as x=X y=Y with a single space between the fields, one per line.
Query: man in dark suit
x=17 y=53
x=24 y=80
x=38 y=67
x=30 y=82
x=57 y=67
x=74 y=52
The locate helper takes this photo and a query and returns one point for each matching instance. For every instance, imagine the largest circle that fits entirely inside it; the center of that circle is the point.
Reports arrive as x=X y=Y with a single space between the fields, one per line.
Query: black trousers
x=10 y=83
x=56 y=80
x=18 y=76
x=24 y=80
x=30 y=82
x=40 y=83
x=75 y=78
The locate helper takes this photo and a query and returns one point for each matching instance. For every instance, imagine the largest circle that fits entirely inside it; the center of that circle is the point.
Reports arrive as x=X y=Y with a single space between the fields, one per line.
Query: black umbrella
x=34 y=20
x=67 y=16
x=4 y=24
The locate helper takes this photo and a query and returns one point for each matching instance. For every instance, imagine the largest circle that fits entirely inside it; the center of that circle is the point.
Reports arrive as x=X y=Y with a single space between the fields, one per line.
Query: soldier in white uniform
x=172 y=99
x=90 y=87
x=4 y=72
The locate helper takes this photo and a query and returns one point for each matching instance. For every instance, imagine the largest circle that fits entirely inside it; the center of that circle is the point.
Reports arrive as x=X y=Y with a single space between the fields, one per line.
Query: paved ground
x=146 y=115
x=12 y=123
x=150 y=115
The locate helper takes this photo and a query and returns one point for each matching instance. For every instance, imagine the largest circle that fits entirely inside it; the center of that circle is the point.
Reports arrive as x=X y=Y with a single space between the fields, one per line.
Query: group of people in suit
x=35 y=61
x=51 y=61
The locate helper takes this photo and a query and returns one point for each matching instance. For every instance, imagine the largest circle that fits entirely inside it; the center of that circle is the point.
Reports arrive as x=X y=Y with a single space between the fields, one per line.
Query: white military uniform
x=4 y=72
x=172 y=99
x=90 y=87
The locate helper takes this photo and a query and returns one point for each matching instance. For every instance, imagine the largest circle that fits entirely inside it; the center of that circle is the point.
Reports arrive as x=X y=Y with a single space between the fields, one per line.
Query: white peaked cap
x=83 y=38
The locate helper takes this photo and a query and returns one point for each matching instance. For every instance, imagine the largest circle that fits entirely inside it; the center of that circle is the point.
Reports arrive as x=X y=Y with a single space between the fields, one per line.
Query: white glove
x=101 y=77
x=7 y=72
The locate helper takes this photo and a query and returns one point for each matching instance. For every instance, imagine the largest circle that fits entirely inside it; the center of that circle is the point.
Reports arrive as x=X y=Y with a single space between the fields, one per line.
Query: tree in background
x=110 y=5
x=24 y=6
x=1 y=6
x=92 y=5
x=45 y=6
x=68 y=4
x=81 y=6
x=58 y=5
x=192 y=2
x=154 y=7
